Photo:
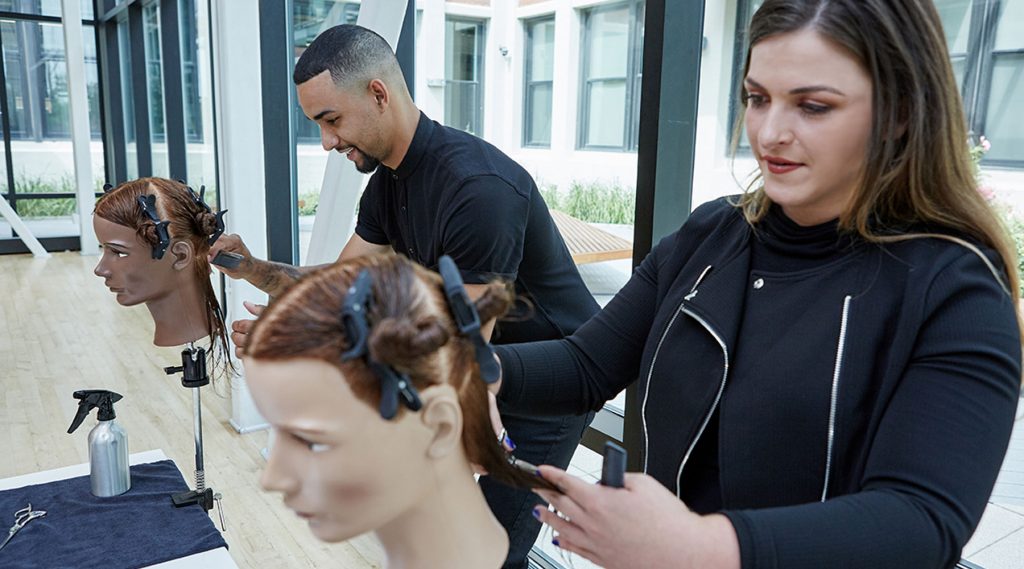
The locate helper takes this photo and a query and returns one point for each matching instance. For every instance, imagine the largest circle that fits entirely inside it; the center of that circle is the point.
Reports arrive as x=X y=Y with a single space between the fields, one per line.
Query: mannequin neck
x=451 y=527
x=180 y=316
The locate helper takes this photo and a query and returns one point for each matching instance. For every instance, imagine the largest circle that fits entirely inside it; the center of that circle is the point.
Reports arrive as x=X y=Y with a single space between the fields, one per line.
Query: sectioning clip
x=148 y=204
x=200 y=200
x=395 y=387
x=467 y=319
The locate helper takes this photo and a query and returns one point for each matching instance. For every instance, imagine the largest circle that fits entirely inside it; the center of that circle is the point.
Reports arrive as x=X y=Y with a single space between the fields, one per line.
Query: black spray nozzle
x=89 y=398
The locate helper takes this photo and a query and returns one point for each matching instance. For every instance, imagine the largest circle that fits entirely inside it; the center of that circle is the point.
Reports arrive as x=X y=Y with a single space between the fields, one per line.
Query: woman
x=155 y=234
x=828 y=365
x=324 y=360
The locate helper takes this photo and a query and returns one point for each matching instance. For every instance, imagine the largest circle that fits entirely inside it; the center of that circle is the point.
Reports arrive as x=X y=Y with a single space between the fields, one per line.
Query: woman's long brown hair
x=188 y=222
x=918 y=172
x=411 y=330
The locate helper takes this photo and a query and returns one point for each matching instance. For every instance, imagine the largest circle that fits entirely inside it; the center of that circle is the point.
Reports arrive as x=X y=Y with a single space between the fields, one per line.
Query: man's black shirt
x=455 y=194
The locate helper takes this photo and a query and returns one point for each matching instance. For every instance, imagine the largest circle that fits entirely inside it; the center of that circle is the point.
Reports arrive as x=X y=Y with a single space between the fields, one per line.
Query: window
x=611 y=72
x=538 y=81
x=463 y=71
x=309 y=19
x=155 y=89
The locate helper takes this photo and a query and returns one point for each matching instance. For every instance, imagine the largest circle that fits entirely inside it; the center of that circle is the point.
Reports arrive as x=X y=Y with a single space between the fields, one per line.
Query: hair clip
x=395 y=387
x=107 y=188
x=200 y=200
x=148 y=203
x=467 y=319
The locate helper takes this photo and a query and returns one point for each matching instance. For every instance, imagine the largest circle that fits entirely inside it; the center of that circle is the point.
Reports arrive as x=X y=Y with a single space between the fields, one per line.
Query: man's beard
x=368 y=164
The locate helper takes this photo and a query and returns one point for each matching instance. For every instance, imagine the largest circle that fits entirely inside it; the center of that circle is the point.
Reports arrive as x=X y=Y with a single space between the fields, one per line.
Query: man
x=439 y=191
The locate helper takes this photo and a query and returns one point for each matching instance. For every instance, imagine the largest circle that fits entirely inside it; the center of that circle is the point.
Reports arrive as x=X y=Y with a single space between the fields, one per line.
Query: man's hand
x=240 y=328
x=232 y=243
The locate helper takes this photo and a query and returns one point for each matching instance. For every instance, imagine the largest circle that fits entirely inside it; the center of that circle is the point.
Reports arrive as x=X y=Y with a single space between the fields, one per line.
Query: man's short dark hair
x=351 y=53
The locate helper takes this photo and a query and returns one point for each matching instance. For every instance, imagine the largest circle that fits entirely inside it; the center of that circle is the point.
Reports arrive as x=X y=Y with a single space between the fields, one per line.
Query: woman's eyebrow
x=798 y=90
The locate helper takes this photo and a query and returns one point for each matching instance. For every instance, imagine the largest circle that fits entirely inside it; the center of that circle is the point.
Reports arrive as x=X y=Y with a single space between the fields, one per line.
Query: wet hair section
x=410 y=329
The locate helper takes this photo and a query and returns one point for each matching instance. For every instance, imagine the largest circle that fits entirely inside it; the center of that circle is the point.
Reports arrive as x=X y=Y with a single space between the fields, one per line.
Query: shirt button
x=411 y=252
x=394 y=176
x=758 y=283
x=403 y=208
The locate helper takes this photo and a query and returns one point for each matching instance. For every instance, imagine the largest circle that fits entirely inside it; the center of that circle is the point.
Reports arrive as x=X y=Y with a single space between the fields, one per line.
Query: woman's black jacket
x=926 y=377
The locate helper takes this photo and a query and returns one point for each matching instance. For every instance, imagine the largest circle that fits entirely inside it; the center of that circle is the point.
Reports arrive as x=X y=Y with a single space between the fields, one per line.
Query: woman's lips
x=780 y=165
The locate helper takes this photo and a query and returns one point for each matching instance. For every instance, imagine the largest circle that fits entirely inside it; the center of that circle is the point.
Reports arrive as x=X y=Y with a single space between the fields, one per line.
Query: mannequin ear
x=184 y=254
x=442 y=415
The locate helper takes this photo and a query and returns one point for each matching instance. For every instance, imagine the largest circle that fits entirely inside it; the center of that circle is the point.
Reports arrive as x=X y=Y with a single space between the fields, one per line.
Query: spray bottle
x=108 y=443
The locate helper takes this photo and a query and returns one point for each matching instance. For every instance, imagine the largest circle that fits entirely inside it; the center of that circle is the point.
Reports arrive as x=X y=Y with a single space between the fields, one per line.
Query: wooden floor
x=61 y=330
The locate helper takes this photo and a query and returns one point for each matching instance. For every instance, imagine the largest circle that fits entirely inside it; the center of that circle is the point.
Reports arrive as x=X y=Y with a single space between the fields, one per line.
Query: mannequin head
x=335 y=459
x=176 y=286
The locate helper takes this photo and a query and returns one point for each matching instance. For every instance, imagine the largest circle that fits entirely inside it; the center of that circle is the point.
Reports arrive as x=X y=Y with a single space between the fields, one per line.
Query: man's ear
x=184 y=254
x=380 y=92
x=442 y=415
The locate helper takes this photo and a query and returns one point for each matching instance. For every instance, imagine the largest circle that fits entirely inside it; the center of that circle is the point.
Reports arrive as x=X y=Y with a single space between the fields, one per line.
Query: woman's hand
x=640 y=525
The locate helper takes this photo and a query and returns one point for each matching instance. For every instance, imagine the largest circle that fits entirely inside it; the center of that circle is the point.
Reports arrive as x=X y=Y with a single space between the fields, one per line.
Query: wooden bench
x=588 y=244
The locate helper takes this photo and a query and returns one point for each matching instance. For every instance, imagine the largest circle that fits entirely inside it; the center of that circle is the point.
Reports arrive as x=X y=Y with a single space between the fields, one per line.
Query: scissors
x=22 y=517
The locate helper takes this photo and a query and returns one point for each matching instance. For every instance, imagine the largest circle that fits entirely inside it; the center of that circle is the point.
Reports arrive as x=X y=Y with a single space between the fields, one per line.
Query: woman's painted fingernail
x=508 y=443
x=536 y=513
x=555 y=542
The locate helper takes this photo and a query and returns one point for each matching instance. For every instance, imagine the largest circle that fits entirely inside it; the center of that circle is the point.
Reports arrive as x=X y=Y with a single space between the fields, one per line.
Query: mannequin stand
x=194 y=376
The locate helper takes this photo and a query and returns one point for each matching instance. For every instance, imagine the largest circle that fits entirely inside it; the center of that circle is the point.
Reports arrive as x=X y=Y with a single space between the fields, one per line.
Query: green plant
x=1011 y=222
x=308 y=202
x=594 y=202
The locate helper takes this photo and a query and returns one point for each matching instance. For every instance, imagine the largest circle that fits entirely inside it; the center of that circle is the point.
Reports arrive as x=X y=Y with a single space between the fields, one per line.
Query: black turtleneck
x=790 y=265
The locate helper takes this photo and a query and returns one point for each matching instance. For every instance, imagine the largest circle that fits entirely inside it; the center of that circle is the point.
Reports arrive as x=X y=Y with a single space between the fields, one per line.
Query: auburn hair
x=411 y=330
x=188 y=222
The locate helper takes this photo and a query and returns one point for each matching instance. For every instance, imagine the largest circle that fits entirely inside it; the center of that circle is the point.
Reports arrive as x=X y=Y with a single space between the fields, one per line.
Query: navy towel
x=80 y=531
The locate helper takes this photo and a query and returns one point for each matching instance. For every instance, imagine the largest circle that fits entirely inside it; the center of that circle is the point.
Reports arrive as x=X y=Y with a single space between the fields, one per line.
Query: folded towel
x=80 y=531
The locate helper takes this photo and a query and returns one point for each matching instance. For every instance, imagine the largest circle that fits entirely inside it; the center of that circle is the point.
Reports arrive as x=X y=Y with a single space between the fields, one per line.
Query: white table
x=212 y=559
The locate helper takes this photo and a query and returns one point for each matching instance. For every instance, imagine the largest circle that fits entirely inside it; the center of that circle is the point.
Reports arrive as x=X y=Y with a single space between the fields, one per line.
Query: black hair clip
x=200 y=200
x=393 y=385
x=148 y=203
x=467 y=319
x=107 y=188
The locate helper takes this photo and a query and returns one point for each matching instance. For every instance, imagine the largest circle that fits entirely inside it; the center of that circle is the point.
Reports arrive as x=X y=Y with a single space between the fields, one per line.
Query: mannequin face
x=127 y=265
x=336 y=462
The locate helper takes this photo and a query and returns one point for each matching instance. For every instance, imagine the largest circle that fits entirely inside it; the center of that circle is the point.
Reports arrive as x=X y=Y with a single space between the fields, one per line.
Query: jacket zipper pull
x=693 y=291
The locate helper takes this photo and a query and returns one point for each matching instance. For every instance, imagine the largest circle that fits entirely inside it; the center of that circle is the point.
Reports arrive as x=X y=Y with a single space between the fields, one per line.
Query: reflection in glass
x=43 y=7
x=956 y=22
x=463 y=92
x=155 y=88
x=540 y=69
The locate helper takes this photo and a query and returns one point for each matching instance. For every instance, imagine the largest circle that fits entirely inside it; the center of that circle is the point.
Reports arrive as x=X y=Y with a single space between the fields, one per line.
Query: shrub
x=594 y=202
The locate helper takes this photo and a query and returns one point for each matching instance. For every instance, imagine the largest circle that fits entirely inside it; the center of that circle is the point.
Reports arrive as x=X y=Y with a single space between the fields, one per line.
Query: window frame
x=529 y=84
x=480 y=48
x=632 y=79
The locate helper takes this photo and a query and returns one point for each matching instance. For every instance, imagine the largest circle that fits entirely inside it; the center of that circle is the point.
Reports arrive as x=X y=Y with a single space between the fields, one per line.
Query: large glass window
x=38 y=118
x=43 y=7
x=463 y=72
x=1003 y=122
x=127 y=99
x=309 y=19
x=155 y=88
x=198 y=95
x=538 y=82
x=611 y=72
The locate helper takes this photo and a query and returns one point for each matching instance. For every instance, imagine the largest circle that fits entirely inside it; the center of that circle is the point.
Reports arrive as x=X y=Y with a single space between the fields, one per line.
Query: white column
x=74 y=57
x=342 y=183
x=240 y=149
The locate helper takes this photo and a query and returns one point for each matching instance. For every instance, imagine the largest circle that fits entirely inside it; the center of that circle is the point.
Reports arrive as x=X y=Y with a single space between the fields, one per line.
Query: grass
x=593 y=202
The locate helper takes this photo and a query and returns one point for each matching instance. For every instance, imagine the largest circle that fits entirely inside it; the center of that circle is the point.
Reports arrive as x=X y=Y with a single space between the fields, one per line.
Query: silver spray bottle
x=108 y=443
